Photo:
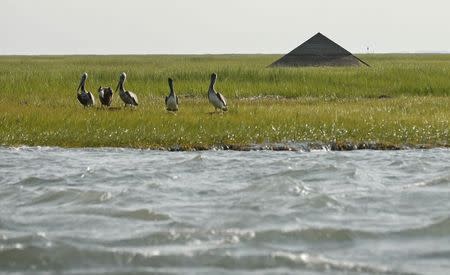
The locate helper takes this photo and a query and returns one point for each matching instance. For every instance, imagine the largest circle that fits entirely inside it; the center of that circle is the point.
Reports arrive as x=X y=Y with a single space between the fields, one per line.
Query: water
x=119 y=211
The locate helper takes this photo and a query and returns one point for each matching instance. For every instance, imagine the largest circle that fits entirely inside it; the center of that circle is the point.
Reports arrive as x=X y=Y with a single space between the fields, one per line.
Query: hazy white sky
x=227 y=26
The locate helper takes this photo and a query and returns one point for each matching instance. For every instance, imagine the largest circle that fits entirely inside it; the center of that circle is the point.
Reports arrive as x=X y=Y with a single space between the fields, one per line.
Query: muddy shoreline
x=308 y=146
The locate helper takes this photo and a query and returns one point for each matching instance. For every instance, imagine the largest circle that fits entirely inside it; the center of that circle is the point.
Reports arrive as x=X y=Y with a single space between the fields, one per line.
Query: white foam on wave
x=323 y=263
x=435 y=181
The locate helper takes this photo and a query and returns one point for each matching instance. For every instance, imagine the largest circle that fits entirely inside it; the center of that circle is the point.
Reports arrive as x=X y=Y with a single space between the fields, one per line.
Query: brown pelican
x=105 y=95
x=171 y=99
x=128 y=97
x=84 y=97
x=216 y=98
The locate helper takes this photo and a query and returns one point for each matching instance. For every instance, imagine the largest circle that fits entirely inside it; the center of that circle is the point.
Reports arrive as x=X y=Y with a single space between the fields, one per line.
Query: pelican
x=216 y=98
x=171 y=99
x=105 y=95
x=128 y=97
x=84 y=97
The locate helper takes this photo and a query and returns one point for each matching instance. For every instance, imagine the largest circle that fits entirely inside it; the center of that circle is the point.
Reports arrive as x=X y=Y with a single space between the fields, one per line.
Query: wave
x=214 y=237
x=435 y=181
x=195 y=160
x=321 y=263
x=438 y=229
x=436 y=254
x=69 y=196
x=35 y=180
x=186 y=236
x=138 y=214
x=314 y=235
x=141 y=214
x=54 y=197
x=69 y=257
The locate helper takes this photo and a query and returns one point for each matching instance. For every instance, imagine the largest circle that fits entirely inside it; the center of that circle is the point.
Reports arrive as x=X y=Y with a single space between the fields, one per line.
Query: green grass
x=38 y=103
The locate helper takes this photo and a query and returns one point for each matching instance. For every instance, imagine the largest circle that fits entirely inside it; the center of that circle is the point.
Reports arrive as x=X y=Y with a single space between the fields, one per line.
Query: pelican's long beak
x=118 y=84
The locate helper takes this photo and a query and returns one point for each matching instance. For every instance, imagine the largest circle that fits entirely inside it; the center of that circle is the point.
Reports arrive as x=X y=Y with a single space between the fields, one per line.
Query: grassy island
x=402 y=100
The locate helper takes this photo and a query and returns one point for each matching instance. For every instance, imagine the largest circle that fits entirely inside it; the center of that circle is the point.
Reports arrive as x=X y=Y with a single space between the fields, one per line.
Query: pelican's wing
x=133 y=97
x=176 y=97
x=91 y=98
x=80 y=98
x=222 y=98
x=85 y=98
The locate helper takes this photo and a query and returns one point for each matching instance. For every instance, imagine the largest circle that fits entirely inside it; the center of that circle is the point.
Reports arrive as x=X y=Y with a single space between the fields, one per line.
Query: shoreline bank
x=289 y=146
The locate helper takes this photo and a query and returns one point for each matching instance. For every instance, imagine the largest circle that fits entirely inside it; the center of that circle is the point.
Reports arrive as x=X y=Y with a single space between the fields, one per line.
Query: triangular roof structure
x=318 y=51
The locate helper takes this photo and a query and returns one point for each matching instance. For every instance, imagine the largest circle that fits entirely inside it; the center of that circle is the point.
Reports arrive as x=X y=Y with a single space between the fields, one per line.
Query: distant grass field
x=38 y=103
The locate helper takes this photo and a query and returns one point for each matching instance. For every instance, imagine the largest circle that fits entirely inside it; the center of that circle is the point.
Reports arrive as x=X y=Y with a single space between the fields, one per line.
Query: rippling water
x=94 y=211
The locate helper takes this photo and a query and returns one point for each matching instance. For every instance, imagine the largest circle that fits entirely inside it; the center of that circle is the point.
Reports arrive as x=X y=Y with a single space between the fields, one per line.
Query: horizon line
x=199 y=54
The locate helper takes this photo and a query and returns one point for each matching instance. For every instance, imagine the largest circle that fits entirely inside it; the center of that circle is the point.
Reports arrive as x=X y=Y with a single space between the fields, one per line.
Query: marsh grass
x=38 y=102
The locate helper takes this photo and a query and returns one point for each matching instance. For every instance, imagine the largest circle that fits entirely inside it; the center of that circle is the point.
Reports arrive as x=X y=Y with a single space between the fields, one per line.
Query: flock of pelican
x=105 y=95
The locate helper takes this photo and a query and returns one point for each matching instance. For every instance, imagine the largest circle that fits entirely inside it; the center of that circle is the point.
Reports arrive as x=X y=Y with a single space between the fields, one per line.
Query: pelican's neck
x=83 y=88
x=211 y=85
x=122 y=85
x=171 y=91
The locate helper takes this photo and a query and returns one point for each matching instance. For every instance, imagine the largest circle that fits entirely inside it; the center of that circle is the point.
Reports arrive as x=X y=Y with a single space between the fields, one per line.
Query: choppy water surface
x=94 y=211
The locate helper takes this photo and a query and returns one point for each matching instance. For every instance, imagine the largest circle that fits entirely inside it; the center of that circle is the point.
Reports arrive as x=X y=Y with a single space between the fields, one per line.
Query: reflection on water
x=137 y=211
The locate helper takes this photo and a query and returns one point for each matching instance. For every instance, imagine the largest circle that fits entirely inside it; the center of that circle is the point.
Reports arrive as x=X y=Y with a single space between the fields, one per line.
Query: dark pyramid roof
x=318 y=51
